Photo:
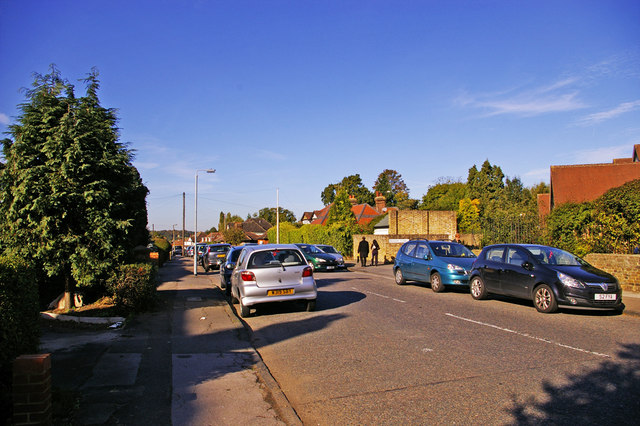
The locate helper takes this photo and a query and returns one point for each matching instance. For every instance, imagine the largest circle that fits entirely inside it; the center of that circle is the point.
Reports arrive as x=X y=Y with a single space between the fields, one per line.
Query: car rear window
x=218 y=249
x=276 y=258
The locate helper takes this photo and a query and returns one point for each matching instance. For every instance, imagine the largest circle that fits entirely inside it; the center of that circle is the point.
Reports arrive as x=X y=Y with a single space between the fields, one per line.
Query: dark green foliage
x=338 y=235
x=133 y=287
x=353 y=186
x=485 y=184
x=19 y=314
x=390 y=184
x=340 y=211
x=566 y=225
x=234 y=236
x=71 y=200
x=444 y=196
x=269 y=214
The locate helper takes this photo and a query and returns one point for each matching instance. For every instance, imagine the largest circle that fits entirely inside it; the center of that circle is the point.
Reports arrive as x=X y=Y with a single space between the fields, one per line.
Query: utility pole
x=183 y=247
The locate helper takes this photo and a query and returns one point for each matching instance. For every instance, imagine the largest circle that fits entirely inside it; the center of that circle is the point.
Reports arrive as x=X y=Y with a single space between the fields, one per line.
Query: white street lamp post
x=195 y=232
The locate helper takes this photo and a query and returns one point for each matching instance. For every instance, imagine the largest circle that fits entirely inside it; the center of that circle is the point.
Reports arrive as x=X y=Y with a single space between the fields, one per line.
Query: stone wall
x=625 y=267
x=422 y=222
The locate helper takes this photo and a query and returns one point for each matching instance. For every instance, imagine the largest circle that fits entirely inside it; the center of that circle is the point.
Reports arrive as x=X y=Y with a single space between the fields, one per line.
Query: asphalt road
x=378 y=353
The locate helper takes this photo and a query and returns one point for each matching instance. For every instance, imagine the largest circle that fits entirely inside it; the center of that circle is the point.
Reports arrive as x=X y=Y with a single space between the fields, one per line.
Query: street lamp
x=195 y=232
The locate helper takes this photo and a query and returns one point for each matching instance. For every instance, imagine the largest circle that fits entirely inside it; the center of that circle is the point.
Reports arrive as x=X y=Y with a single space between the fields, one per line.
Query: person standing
x=363 y=251
x=374 y=252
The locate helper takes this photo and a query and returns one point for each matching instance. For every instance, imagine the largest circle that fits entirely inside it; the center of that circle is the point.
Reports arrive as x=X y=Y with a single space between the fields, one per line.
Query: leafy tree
x=340 y=211
x=70 y=198
x=233 y=235
x=269 y=214
x=352 y=185
x=445 y=195
x=391 y=184
x=468 y=216
x=566 y=225
x=403 y=202
x=221 y=222
x=485 y=184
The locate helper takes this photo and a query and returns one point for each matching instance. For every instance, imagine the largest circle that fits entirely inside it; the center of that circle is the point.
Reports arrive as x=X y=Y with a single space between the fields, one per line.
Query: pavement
x=190 y=362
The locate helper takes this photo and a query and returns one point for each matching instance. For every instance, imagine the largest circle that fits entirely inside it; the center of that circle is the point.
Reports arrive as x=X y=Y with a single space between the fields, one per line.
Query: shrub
x=18 y=319
x=133 y=287
x=164 y=249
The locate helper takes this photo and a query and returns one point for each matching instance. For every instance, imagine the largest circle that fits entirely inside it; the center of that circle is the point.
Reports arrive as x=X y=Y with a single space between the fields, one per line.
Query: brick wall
x=32 y=390
x=389 y=244
x=422 y=222
x=625 y=267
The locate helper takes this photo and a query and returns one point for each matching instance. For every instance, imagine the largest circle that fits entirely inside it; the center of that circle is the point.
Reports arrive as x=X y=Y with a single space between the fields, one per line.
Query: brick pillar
x=32 y=390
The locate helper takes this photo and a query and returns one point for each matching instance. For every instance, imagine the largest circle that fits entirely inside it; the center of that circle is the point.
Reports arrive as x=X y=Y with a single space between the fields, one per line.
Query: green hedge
x=164 y=249
x=134 y=287
x=19 y=313
x=337 y=235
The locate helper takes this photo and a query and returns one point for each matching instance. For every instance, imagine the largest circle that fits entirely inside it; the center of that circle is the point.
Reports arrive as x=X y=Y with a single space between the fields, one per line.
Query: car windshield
x=310 y=249
x=555 y=256
x=276 y=258
x=328 y=249
x=443 y=249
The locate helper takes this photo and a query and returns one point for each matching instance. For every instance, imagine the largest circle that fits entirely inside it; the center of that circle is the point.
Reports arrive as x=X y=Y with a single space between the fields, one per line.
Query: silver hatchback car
x=272 y=273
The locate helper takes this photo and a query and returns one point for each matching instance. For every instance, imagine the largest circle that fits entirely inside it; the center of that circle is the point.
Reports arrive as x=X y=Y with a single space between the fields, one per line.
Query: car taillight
x=247 y=276
x=307 y=272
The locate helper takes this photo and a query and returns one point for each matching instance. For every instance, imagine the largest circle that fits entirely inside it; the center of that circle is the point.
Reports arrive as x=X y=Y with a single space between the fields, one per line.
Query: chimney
x=381 y=202
x=352 y=200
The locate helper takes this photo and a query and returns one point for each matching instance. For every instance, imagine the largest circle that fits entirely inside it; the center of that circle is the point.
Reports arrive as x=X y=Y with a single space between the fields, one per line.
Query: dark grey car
x=214 y=255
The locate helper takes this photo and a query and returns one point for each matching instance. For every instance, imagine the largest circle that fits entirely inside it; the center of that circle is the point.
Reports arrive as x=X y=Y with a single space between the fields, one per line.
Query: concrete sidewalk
x=630 y=299
x=188 y=363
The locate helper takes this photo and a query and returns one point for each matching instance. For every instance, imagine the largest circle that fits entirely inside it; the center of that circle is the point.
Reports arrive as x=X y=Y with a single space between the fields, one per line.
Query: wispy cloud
x=599 y=117
x=560 y=96
x=600 y=155
x=271 y=155
x=4 y=119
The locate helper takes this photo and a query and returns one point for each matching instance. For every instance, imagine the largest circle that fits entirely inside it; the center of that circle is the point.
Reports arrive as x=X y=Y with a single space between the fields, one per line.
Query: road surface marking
x=379 y=295
x=562 y=345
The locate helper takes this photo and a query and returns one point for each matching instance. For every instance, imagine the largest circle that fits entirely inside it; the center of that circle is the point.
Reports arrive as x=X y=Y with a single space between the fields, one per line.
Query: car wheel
x=244 y=310
x=234 y=299
x=436 y=283
x=544 y=299
x=399 y=277
x=227 y=290
x=478 y=289
x=311 y=305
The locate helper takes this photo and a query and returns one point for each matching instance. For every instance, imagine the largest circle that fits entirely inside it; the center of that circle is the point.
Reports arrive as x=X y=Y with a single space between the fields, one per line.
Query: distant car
x=214 y=255
x=546 y=275
x=319 y=260
x=177 y=251
x=333 y=252
x=200 y=247
x=440 y=263
x=272 y=273
x=227 y=268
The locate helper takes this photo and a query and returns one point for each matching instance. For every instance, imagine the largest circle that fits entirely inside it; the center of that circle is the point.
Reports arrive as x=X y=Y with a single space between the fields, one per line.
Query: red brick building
x=586 y=182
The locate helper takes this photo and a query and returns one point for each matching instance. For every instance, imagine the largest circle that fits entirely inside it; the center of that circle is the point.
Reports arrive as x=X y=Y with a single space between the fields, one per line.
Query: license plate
x=331 y=267
x=280 y=292
x=600 y=296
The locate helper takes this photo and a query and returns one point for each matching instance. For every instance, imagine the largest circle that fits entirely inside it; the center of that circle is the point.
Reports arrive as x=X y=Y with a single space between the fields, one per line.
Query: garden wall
x=625 y=267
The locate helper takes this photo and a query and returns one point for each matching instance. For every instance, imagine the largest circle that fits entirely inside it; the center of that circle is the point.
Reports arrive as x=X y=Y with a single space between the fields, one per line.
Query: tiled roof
x=364 y=214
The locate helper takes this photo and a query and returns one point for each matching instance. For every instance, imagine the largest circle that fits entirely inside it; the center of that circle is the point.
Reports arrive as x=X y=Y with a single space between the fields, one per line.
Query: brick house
x=363 y=213
x=586 y=182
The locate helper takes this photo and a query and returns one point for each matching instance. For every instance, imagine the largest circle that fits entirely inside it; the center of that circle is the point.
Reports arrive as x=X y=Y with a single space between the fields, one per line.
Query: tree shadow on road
x=608 y=394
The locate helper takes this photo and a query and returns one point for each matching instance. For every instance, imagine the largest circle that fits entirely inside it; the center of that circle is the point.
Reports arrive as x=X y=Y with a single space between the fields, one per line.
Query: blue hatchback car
x=439 y=263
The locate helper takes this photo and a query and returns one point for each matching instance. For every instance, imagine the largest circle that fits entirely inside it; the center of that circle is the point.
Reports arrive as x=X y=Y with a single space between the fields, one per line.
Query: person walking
x=363 y=251
x=374 y=252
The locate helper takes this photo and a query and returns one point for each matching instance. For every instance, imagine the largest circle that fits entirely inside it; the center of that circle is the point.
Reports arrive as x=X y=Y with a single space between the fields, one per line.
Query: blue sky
x=295 y=95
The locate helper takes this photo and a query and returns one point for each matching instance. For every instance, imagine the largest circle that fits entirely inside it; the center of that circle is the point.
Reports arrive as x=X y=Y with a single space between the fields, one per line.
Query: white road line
x=379 y=295
x=529 y=336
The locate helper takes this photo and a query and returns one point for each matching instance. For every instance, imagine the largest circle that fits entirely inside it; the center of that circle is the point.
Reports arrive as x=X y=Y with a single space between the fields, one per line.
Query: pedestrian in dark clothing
x=363 y=251
x=374 y=252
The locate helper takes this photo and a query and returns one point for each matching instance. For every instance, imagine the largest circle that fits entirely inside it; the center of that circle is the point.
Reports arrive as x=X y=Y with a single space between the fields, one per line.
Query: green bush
x=133 y=287
x=164 y=249
x=338 y=235
x=19 y=314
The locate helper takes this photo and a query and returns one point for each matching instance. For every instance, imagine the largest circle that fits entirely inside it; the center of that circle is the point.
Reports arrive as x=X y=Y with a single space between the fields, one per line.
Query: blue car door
x=493 y=268
x=407 y=262
x=419 y=264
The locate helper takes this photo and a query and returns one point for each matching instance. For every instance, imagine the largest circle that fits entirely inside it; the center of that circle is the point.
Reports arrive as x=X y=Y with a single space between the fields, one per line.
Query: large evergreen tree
x=71 y=200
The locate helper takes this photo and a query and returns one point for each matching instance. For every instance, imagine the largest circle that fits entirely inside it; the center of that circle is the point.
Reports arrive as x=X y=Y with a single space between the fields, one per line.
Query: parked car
x=227 y=268
x=333 y=252
x=319 y=260
x=440 y=263
x=214 y=255
x=201 y=247
x=272 y=273
x=177 y=251
x=546 y=275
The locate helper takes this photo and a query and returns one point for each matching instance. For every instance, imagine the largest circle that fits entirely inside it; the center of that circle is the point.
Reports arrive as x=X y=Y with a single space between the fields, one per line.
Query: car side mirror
x=427 y=256
x=528 y=266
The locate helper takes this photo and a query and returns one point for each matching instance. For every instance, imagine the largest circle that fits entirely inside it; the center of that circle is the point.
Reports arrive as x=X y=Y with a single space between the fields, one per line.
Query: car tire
x=311 y=305
x=477 y=288
x=399 y=277
x=227 y=290
x=234 y=299
x=245 y=311
x=436 y=283
x=544 y=299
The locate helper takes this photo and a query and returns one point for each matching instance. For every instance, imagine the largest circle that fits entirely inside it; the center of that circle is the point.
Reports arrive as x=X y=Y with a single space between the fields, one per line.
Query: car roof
x=260 y=247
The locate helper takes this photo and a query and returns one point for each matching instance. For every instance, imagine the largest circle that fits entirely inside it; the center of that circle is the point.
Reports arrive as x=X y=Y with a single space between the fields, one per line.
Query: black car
x=227 y=268
x=214 y=255
x=546 y=275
